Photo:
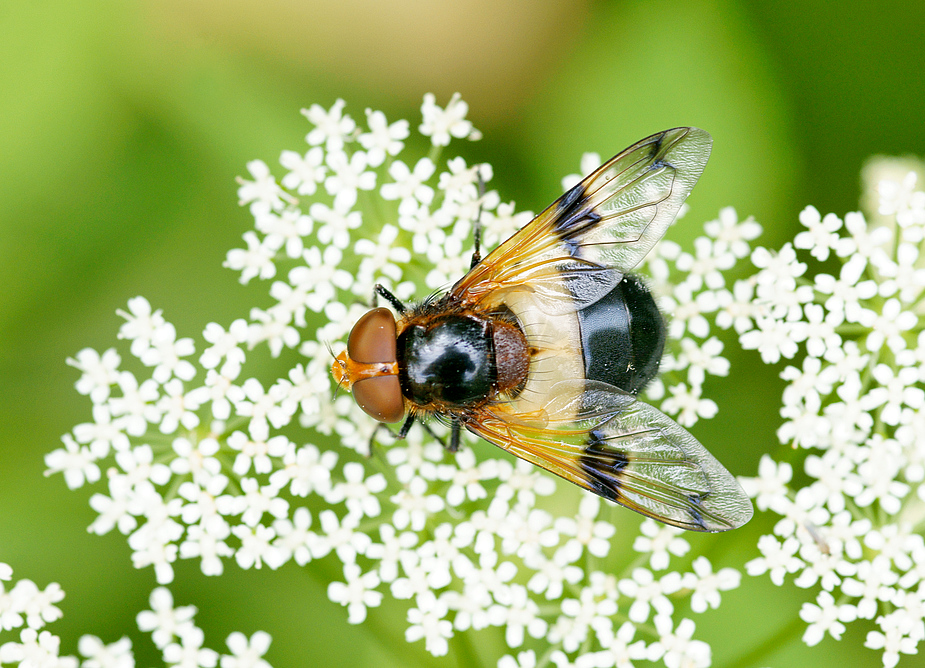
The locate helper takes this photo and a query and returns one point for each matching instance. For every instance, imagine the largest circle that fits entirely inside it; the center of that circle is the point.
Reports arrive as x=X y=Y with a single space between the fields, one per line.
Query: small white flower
x=441 y=124
x=358 y=491
x=341 y=536
x=257 y=547
x=900 y=634
x=163 y=620
x=619 y=650
x=348 y=175
x=659 y=540
x=263 y=193
x=409 y=186
x=382 y=256
x=729 y=231
x=648 y=592
x=821 y=235
x=332 y=127
x=100 y=655
x=306 y=470
x=98 y=372
x=427 y=621
x=36 y=649
x=778 y=558
x=414 y=505
x=579 y=616
x=707 y=585
x=189 y=652
x=584 y=530
x=103 y=434
x=294 y=539
x=687 y=404
x=357 y=594
x=519 y=615
x=676 y=646
x=257 y=260
x=285 y=230
x=826 y=617
x=888 y=326
x=524 y=660
x=305 y=172
x=382 y=139
x=75 y=461
x=247 y=653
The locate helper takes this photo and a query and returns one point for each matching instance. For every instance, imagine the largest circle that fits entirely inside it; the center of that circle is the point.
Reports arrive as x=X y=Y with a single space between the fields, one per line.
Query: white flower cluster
x=201 y=461
x=29 y=609
x=853 y=406
x=693 y=290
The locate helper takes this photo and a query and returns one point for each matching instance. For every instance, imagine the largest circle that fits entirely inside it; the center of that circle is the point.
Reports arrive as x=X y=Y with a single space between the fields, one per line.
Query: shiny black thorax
x=623 y=336
x=447 y=359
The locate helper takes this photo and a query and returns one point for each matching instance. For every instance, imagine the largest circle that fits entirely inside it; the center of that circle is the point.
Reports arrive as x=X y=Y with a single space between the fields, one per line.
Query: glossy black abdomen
x=623 y=336
x=448 y=359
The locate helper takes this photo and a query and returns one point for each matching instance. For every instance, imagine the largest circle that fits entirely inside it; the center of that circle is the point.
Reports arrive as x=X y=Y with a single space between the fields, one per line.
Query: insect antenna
x=340 y=383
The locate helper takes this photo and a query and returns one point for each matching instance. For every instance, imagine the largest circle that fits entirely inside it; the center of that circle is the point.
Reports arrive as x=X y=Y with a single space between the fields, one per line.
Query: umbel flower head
x=25 y=611
x=844 y=302
x=204 y=461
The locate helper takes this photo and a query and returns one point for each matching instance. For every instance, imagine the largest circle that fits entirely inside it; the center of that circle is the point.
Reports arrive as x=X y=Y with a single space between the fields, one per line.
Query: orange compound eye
x=372 y=339
x=372 y=342
x=380 y=398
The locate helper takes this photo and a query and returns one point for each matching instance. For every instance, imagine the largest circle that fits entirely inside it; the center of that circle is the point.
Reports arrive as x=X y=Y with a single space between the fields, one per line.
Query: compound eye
x=380 y=398
x=372 y=340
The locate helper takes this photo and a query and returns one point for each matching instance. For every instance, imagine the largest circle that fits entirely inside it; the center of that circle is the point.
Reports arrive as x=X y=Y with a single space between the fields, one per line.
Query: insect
x=542 y=347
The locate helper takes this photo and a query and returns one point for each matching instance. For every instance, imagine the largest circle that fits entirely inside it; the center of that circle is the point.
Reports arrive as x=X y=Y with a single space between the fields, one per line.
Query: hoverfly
x=542 y=347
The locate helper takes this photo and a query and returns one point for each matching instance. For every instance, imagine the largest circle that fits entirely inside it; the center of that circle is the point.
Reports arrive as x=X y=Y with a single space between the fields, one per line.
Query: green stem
x=780 y=639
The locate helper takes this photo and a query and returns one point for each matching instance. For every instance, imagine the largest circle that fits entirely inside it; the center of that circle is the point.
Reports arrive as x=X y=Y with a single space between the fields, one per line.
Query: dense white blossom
x=851 y=535
x=249 y=475
x=25 y=610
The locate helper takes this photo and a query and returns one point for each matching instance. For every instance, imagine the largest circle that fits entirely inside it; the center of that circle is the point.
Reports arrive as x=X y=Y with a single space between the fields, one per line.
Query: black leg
x=383 y=292
x=372 y=438
x=477 y=225
x=383 y=427
x=454 y=436
x=433 y=434
x=406 y=427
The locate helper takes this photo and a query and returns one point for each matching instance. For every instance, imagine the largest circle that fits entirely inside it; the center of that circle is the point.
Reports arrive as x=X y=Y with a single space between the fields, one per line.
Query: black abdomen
x=623 y=336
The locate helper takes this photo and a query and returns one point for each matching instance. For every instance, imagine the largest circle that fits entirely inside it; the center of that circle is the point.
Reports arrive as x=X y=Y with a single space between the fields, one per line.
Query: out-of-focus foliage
x=123 y=126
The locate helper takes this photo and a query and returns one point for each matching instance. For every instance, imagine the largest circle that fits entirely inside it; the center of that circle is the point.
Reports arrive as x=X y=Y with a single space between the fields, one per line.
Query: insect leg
x=477 y=226
x=372 y=438
x=406 y=427
x=402 y=433
x=383 y=292
x=455 y=427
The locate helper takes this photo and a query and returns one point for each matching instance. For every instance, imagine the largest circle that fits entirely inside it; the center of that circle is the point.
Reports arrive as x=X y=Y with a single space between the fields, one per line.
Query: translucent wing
x=603 y=440
x=580 y=247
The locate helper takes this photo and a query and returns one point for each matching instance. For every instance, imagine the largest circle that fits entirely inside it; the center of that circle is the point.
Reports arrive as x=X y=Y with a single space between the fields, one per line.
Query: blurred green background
x=124 y=124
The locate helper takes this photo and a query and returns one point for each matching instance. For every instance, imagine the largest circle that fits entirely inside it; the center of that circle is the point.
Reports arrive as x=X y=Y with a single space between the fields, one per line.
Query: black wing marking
x=580 y=247
x=603 y=440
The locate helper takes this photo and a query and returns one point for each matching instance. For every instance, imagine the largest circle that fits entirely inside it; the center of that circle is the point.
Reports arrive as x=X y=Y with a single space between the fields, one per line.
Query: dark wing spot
x=660 y=164
x=567 y=202
x=573 y=217
x=603 y=465
x=695 y=502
